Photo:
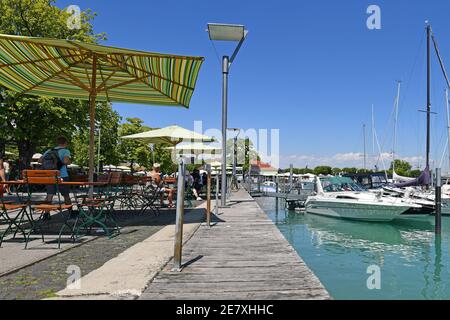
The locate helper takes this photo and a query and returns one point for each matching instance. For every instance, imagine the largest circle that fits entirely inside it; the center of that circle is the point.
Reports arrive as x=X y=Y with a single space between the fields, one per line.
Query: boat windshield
x=338 y=184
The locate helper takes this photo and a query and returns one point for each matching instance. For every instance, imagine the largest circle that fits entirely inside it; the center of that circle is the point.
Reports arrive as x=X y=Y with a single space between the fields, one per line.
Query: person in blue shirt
x=65 y=158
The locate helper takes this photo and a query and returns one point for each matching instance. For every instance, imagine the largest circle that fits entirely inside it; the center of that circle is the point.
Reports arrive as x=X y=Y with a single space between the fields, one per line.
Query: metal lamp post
x=226 y=32
x=234 y=179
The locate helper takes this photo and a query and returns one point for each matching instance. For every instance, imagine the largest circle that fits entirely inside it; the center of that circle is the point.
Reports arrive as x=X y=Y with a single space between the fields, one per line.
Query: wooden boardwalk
x=243 y=256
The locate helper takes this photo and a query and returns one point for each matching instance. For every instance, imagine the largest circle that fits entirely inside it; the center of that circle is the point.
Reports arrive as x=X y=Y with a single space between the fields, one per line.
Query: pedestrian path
x=243 y=256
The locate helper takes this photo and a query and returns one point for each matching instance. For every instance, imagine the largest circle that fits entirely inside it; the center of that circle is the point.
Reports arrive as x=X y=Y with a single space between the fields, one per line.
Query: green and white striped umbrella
x=77 y=70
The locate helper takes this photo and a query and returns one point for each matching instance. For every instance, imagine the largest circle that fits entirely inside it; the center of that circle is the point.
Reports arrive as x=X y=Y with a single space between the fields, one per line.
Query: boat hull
x=355 y=211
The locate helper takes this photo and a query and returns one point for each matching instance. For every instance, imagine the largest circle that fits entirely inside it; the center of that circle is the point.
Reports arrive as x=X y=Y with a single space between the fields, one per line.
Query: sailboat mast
x=428 y=94
x=397 y=101
x=364 y=137
x=448 y=126
x=373 y=131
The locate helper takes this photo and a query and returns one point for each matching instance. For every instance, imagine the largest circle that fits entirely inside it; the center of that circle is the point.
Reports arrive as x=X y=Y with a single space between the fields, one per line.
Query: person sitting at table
x=58 y=158
x=156 y=175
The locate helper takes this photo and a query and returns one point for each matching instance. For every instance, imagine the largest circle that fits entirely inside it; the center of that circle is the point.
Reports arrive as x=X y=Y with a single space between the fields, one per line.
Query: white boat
x=426 y=198
x=341 y=197
x=268 y=186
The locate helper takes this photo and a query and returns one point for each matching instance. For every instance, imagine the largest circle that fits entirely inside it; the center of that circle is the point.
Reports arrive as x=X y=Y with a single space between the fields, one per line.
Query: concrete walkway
x=244 y=256
x=127 y=275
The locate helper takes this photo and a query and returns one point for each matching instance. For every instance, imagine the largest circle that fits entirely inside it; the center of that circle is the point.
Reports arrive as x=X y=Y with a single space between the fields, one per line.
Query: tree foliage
x=139 y=152
x=106 y=133
x=29 y=121
x=323 y=170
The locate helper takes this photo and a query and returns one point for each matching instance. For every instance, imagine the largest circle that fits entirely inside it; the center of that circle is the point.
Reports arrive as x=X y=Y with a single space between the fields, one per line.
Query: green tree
x=108 y=123
x=135 y=150
x=365 y=171
x=336 y=171
x=138 y=151
x=401 y=167
x=350 y=170
x=324 y=170
x=30 y=121
x=164 y=157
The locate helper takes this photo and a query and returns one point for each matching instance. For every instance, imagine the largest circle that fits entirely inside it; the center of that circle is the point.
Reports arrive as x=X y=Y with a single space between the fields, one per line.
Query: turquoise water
x=414 y=264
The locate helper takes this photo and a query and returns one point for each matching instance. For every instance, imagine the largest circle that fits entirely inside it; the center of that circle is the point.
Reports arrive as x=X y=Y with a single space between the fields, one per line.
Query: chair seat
x=52 y=207
x=93 y=204
x=87 y=200
x=13 y=206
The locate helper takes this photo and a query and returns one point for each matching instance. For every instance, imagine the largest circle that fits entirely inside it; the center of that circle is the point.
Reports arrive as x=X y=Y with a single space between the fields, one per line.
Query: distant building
x=264 y=169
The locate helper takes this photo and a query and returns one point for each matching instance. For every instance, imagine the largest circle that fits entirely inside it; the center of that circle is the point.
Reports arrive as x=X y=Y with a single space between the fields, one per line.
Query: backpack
x=51 y=160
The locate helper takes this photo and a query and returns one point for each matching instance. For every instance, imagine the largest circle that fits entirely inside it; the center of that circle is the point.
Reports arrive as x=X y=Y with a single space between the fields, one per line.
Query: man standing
x=57 y=159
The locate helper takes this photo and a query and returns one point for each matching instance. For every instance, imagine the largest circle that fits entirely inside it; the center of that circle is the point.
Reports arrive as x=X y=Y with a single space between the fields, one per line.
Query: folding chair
x=149 y=196
x=99 y=210
x=12 y=214
x=47 y=177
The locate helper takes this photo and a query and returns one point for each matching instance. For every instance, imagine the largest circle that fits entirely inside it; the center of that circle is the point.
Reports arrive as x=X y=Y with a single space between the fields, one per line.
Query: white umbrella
x=196 y=147
x=171 y=135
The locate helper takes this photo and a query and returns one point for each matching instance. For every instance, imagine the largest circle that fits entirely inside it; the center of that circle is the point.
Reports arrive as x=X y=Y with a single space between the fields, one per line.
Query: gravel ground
x=45 y=278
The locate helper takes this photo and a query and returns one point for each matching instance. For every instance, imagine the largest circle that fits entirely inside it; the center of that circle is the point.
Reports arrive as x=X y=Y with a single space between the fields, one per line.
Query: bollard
x=178 y=250
x=208 y=197
x=291 y=177
x=217 y=194
x=438 y=196
x=276 y=191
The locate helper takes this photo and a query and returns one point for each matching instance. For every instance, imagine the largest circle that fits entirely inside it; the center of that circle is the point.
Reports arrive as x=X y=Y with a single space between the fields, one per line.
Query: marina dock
x=242 y=256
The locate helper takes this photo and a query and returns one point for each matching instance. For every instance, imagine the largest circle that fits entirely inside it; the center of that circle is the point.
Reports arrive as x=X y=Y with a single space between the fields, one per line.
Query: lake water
x=413 y=263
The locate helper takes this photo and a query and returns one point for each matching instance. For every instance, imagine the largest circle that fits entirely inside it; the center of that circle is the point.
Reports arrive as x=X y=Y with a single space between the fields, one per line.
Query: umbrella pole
x=92 y=98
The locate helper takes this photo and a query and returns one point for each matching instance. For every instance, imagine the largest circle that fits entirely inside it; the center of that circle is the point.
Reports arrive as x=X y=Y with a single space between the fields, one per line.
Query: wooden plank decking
x=244 y=256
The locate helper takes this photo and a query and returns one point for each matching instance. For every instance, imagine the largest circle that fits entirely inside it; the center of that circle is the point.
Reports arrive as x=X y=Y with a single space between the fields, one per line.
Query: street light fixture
x=226 y=32
x=237 y=131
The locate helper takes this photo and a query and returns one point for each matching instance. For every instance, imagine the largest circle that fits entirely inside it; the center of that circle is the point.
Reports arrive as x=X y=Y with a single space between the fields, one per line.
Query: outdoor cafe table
x=87 y=216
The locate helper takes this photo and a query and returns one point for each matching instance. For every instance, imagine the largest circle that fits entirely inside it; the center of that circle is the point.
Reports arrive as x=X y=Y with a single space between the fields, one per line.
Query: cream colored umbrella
x=196 y=147
x=215 y=164
x=170 y=135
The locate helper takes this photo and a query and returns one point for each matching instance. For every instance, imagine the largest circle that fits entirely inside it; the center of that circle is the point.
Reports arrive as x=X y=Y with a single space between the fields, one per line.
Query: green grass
x=46 y=294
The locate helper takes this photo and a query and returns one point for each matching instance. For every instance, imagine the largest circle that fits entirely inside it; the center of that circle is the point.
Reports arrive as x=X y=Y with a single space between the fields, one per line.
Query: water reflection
x=414 y=262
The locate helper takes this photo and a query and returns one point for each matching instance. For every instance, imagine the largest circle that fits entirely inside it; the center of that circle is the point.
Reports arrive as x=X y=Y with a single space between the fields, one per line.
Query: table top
x=64 y=183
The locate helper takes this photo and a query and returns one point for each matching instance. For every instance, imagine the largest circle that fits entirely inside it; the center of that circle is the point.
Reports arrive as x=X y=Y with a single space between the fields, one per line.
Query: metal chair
x=48 y=177
x=99 y=210
x=12 y=214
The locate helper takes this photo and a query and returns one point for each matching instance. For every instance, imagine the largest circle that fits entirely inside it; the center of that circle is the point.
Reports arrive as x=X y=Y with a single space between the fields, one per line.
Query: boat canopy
x=338 y=184
x=423 y=180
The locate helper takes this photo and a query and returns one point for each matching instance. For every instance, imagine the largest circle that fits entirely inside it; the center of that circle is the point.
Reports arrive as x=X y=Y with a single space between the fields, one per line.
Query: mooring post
x=291 y=177
x=208 y=196
x=438 y=195
x=277 y=184
x=217 y=194
x=178 y=250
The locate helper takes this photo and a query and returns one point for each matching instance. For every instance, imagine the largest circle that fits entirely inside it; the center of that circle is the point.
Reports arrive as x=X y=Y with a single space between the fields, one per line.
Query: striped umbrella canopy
x=170 y=135
x=78 y=70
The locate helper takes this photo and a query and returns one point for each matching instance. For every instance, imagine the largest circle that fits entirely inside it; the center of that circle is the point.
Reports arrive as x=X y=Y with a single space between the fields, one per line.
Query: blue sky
x=309 y=68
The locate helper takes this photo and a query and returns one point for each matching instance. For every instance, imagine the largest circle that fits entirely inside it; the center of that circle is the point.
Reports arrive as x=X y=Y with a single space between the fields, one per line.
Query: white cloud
x=350 y=159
